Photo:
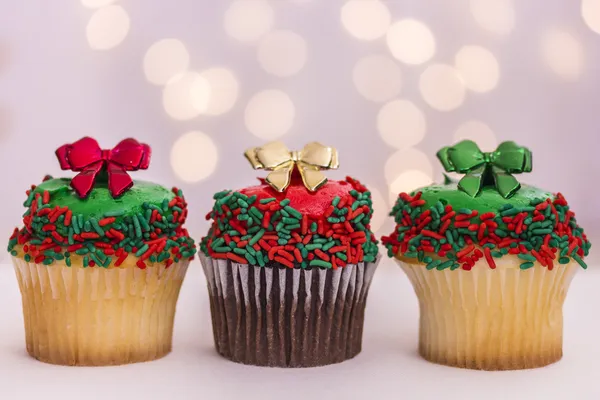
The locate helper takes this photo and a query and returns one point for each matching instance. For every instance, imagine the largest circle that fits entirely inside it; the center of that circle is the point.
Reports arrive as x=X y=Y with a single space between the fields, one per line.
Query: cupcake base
x=491 y=319
x=96 y=316
x=282 y=317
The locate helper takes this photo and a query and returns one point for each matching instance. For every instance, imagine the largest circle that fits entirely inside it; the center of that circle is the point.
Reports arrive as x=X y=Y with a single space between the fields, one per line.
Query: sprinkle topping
x=545 y=231
x=54 y=233
x=266 y=231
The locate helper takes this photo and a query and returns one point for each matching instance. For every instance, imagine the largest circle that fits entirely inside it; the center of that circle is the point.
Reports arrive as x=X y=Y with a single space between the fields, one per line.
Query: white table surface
x=388 y=367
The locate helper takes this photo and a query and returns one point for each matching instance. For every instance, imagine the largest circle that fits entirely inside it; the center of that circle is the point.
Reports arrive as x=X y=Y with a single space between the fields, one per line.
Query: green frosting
x=100 y=203
x=489 y=200
x=146 y=221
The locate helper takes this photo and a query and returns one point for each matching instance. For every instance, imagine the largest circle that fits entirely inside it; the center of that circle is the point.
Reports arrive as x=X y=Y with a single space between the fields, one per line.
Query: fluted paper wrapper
x=492 y=319
x=97 y=316
x=283 y=317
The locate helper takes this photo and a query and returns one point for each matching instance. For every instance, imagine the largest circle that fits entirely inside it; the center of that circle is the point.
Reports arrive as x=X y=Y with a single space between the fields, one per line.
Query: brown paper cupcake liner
x=97 y=316
x=283 y=317
x=491 y=319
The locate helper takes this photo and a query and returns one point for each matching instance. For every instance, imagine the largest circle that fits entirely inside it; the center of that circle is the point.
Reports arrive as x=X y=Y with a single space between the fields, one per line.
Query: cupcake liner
x=492 y=319
x=283 y=317
x=98 y=316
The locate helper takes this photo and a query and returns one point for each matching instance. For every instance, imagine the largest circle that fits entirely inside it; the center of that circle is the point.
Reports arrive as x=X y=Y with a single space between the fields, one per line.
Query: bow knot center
x=106 y=154
x=295 y=156
x=487 y=158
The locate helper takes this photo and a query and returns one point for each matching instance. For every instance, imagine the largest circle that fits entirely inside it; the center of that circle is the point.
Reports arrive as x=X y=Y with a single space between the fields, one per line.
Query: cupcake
x=490 y=260
x=100 y=259
x=289 y=262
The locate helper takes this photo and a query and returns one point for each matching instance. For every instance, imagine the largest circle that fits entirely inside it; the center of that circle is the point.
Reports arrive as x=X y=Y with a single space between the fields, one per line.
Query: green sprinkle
x=251 y=259
x=541 y=231
x=96 y=227
x=143 y=222
x=141 y=250
x=313 y=246
x=526 y=265
x=445 y=265
x=510 y=211
x=320 y=263
x=526 y=257
x=256 y=237
x=115 y=213
x=137 y=227
x=267 y=201
x=294 y=212
x=95 y=259
x=564 y=260
x=284 y=202
x=579 y=260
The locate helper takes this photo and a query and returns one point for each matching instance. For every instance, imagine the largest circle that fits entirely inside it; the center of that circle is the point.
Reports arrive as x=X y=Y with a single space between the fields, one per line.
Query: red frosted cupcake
x=289 y=262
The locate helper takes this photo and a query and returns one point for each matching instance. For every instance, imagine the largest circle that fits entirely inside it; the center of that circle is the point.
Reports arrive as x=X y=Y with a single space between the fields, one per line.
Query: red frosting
x=313 y=204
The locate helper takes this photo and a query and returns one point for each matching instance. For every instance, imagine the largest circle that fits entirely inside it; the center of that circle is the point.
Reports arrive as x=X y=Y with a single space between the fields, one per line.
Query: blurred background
x=386 y=82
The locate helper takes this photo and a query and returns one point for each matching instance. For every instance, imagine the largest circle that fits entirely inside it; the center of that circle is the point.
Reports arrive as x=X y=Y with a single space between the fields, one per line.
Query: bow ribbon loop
x=494 y=168
x=276 y=158
x=86 y=157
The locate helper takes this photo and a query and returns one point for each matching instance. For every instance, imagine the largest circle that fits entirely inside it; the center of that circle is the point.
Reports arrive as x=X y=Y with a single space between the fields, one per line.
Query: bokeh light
x=404 y=160
x=411 y=41
x=478 y=132
x=401 y=124
x=269 y=114
x=282 y=53
x=590 y=11
x=194 y=157
x=496 y=16
x=442 y=87
x=200 y=94
x=248 y=20
x=563 y=53
x=377 y=78
x=107 y=27
x=366 y=20
x=478 y=67
x=165 y=59
x=186 y=96
x=224 y=90
x=407 y=182
x=96 y=3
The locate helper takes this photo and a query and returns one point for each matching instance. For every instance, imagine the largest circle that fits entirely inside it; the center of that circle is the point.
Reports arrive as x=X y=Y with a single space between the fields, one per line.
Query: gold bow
x=278 y=159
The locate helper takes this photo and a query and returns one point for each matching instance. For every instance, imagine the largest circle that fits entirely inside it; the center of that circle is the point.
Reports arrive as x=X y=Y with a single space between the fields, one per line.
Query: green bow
x=483 y=169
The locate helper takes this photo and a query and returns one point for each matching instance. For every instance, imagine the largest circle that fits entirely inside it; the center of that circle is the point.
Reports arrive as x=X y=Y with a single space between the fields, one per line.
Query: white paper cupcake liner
x=282 y=317
x=98 y=316
x=493 y=319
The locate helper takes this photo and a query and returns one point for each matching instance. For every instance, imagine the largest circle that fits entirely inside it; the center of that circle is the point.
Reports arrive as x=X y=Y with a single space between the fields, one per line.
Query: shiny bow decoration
x=310 y=161
x=482 y=169
x=86 y=157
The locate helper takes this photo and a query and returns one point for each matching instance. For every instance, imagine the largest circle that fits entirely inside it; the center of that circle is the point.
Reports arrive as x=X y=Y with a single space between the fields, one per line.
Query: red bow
x=85 y=155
